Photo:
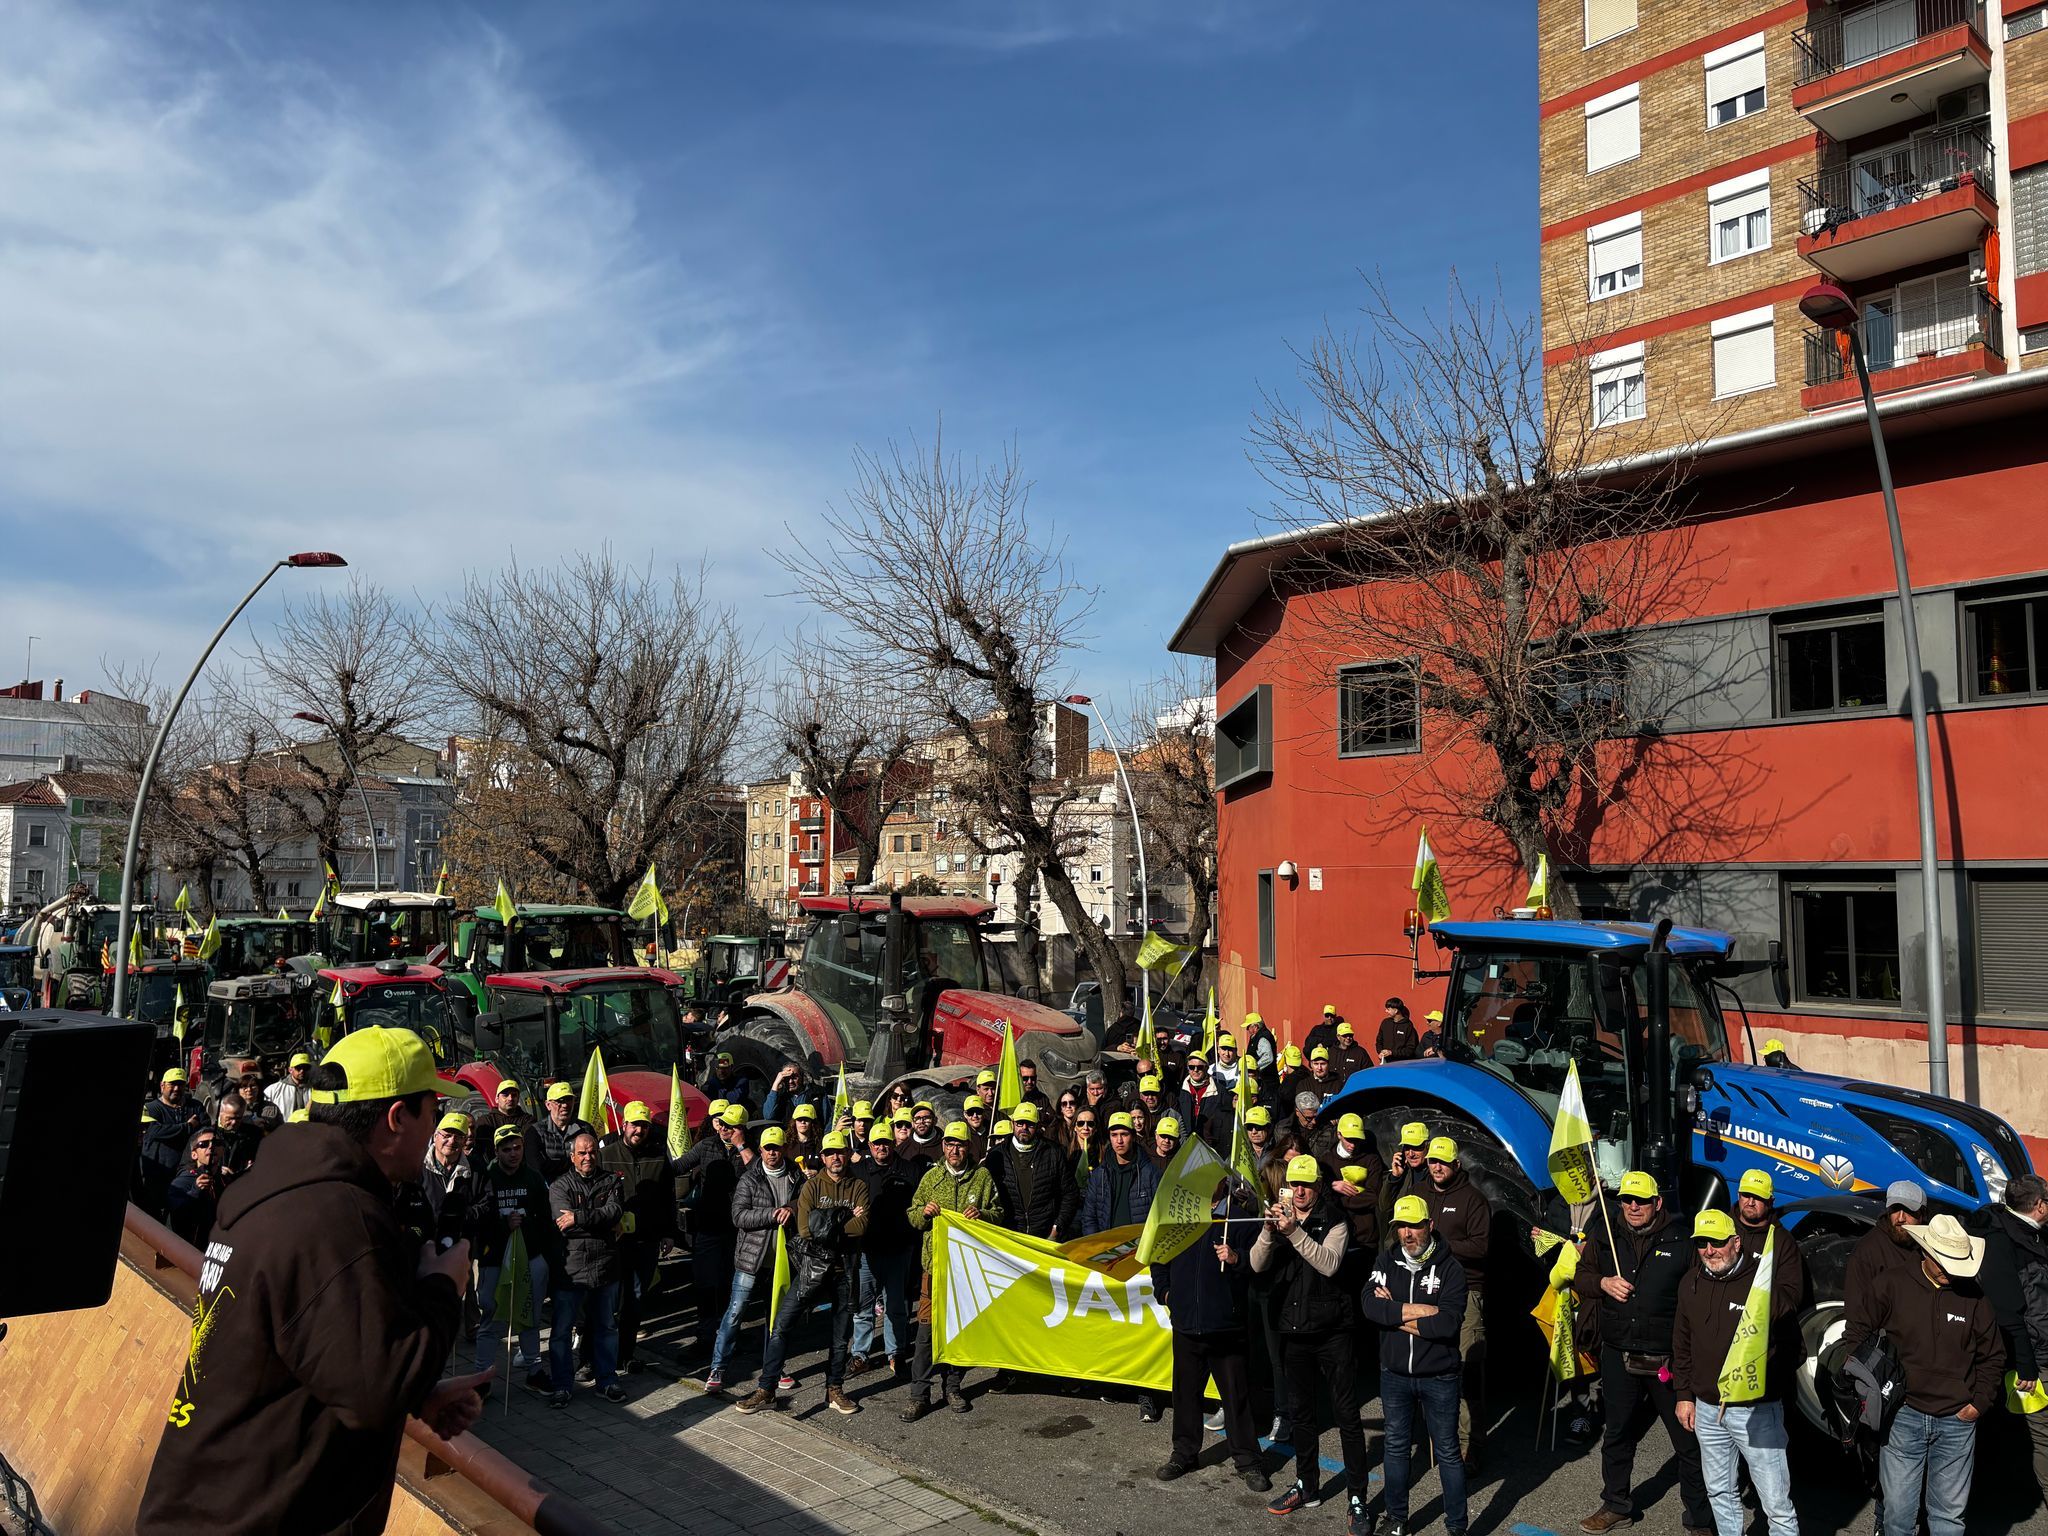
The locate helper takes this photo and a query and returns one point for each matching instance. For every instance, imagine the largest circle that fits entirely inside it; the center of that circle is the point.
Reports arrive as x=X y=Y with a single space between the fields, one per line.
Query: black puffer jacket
x=753 y=1216
x=590 y=1244
x=2015 y=1279
x=1655 y=1260
x=1037 y=1188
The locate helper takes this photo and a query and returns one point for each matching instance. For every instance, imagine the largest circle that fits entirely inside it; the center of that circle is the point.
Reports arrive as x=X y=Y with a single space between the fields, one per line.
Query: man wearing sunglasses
x=1634 y=1281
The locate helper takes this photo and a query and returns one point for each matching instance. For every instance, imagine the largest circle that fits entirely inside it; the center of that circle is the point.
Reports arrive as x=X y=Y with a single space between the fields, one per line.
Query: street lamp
x=369 y=826
x=1829 y=307
x=1083 y=701
x=310 y=560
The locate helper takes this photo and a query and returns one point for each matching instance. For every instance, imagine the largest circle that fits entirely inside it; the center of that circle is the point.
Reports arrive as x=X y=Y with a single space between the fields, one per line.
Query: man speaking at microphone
x=320 y=1324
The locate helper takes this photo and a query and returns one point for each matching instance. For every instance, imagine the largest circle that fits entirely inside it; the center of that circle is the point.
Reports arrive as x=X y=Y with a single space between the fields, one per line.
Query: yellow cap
x=804 y=1112
x=901 y=1117
x=1351 y=1127
x=379 y=1064
x=1120 y=1121
x=1223 y=1040
x=1320 y=1053
x=1411 y=1211
x=984 y=1077
x=1027 y=1112
x=835 y=1141
x=1291 y=1055
x=1773 y=1047
x=301 y=1059
x=957 y=1131
x=973 y=1101
x=1258 y=1116
x=1353 y=1174
x=1638 y=1184
x=503 y=1134
x=925 y=1105
x=1434 y=1016
x=880 y=1135
x=1148 y=1084
x=176 y=1075
x=1198 y=1054
x=1345 y=1031
x=1756 y=1182
x=1414 y=1134
x=1329 y=1010
x=1441 y=1149
x=1001 y=1129
x=774 y=1136
x=716 y=1107
x=560 y=1091
x=863 y=1109
x=301 y=1116
x=1303 y=1169
x=454 y=1121
x=1718 y=1225
x=505 y=1084
x=636 y=1113
x=734 y=1114
x=1252 y=1018
x=1169 y=1125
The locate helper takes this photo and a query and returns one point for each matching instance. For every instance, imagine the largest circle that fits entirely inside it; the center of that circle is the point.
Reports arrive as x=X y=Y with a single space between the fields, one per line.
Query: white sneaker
x=1213 y=1422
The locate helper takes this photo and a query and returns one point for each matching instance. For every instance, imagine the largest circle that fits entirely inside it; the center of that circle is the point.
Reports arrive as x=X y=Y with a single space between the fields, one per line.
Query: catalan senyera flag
x=1571 y=1143
x=1009 y=1081
x=647 y=900
x=594 y=1107
x=1539 y=887
x=678 y=1115
x=1180 y=1210
x=502 y=904
x=1155 y=951
x=1742 y=1373
x=1431 y=899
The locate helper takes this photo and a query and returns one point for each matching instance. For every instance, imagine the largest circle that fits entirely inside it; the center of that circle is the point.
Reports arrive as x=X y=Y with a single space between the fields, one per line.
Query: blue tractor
x=1639 y=1009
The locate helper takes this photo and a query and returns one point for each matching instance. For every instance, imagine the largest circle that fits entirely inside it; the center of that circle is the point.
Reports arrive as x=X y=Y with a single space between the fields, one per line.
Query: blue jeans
x=597 y=1304
x=1436 y=1399
x=490 y=1330
x=1937 y=1455
x=1755 y=1433
x=729 y=1325
x=882 y=1278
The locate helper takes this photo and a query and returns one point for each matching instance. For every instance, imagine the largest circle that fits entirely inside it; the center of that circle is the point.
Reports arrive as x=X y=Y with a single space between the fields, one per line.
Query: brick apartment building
x=1703 y=162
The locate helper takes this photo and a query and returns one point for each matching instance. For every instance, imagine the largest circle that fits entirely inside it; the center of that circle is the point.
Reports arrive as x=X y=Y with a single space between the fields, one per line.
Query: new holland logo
x=1837 y=1170
x=976 y=1275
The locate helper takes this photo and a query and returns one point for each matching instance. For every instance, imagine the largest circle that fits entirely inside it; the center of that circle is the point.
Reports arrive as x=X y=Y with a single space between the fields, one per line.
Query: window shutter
x=1611 y=249
x=2012 y=935
x=2030 y=219
x=1613 y=128
x=1735 y=70
x=1607 y=18
x=1745 y=354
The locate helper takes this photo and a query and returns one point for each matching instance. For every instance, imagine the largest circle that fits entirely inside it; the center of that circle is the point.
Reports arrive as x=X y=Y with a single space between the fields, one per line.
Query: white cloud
x=1013 y=26
x=241 y=299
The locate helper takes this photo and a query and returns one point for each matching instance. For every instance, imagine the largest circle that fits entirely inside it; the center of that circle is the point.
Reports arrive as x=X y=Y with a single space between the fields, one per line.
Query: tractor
x=366 y=927
x=1638 y=1009
x=542 y=938
x=257 y=945
x=728 y=971
x=263 y=1018
x=892 y=987
x=17 y=977
x=394 y=995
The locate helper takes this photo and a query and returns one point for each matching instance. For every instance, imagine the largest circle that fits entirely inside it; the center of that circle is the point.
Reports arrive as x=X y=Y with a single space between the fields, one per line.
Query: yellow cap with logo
x=1025 y=1113
x=1758 y=1183
x=1414 y=1134
x=1638 y=1185
x=863 y=1109
x=1346 y=1032
x=901 y=1117
x=774 y=1136
x=1000 y=1129
x=1169 y=1125
x=561 y=1091
x=835 y=1141
x=957 y=1131
x=804 y=1112
x=985 y=1077
x=973 y=1101
x=1259 y=1115
x=1718 y=1226
x=1303 y=1169
x=176 y=1075
x=715 y=1108
x=1410 y=1211
x=1252 y=1018
x=379 y=1064
x=505 y=1133
x=1351 y=1127
x=637 y=1113
x=1352 y=1173
x=881 y=1135
x=1120 y=1121
x=1148 y=1084
x=1320 y=1053
x=301 y=1059
x=454 y=1121
x=1441 y=1149
x=734 y=1114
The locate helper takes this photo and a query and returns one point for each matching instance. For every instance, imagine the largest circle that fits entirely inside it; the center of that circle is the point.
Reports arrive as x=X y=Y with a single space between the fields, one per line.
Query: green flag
x=1431 y=899
x=502 y=905
x=678 y=1114
x=1009 y=1081
x=1180 y=1210
x=1571 y=1143
x=1742 y=1374
x=514 y=1296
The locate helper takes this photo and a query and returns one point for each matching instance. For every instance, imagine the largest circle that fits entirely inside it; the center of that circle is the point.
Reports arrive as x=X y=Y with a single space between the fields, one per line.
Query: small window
x=1735 y=81
x=38 y=835
x=1608 y=18
x=32 y=881
x=1244 y=739
x=1614 y=128
x=1094 y=875
x=1618 y=386
x=1745 y=353
x=292 y=891
x=1377 y=709
x=1739 y=216
x=2008 y=644
x=917 y=842
x=778 y=840
x=896 y=844
x=2011 y=916
x=1614 y=256
x=1845 y=942
x=1267 y=944
x=2027 y=21
x=1829 y=666
x=2034 y=339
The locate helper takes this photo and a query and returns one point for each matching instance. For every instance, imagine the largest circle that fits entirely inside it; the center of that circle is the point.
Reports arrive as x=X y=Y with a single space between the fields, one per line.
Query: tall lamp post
x=1829 y=307
x=355 y=773
x=314 y=559
x=1082 y=701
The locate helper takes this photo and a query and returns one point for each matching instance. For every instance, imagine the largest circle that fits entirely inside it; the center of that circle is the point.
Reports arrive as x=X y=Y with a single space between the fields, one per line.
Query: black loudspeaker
x=71 y=1088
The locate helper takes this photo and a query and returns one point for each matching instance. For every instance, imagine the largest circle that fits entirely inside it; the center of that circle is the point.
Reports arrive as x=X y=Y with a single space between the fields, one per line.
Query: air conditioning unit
x=1960 y=106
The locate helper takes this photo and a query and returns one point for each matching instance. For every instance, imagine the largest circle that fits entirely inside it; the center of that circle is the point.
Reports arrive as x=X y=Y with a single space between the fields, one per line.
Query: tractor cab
x=262 y=1018
x=394 y=995
x=539 y=938
x=258 y=946
x=365 y=928
x=170 y=996
x=17 y=976
x=543 y=1026
x=728 y=969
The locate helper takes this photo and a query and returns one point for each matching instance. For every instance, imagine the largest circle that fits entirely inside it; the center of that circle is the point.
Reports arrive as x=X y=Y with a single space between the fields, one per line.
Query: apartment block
x=1704 y=163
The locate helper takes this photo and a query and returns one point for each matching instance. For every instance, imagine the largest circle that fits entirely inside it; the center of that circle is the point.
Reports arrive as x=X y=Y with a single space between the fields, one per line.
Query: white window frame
x=1615 y=232
x=1727 y=328
x=1739 y=200
x=1734 y=60
x=1616 y=366
x=38 y=835
x=1629 y=97
x=1608 y=37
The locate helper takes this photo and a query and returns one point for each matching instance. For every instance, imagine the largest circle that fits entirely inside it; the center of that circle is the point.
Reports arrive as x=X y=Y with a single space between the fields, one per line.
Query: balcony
x=811 y=856
x=1864 y=68
x=810 y=824
x=1955 y=335
x=1915 y=202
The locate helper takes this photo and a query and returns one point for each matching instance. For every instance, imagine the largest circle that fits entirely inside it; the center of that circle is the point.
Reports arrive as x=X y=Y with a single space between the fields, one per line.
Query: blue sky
x=434 y=285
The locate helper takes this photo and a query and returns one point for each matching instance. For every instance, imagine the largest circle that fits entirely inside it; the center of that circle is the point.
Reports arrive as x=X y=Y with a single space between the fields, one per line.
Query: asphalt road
x=1056 y=1452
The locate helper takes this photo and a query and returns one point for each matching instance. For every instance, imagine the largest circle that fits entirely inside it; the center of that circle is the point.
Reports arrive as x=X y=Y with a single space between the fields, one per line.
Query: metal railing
x=1899 y=335
x=1841 y=37
x=1921 y=167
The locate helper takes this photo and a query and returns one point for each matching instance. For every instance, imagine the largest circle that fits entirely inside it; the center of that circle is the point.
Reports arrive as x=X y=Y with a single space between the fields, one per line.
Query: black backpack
x=1872 y=1382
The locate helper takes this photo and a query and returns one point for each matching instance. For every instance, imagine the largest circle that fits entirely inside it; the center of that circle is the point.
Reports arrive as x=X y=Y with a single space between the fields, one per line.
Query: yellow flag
x=135 y=947
x=283 y=916
x=333 y=880
x=1571 y=1143
x=678 y=1114
x=319 y=903
x=334 y=997
x=1244 y=1090
x=594 y=1108
x=781 y=1281
x=502 y=905
x=184 y=902
x=647 y=900
x=1431 y=899
x=1209 y=1030
x=1180 y=1210
x=1742 y=1374
x=441 y=881
x=209 y=941
x=1243 y=1161
x=842 y=1102
x=178 y=1012
x=1539 y=888
x=1146 y=1046
x=1009 y=1081
x=1156 y=950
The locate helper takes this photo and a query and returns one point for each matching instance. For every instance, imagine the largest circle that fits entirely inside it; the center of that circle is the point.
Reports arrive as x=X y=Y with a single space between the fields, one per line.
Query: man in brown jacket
x=824 y=1246
x=1464 y=1223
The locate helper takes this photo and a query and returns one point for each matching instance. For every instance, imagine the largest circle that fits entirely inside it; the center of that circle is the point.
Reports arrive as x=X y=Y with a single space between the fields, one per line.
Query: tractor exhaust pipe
x=1659 y=1153
x=895 y=931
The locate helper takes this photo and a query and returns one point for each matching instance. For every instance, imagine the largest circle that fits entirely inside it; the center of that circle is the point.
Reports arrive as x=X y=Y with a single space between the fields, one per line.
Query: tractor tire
x=945 y=1088
x=1062 y=1060
x=763 y=1046
x=1820 y=1323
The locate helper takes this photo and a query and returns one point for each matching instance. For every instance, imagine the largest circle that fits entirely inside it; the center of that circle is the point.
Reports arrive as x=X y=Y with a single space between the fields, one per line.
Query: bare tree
x=610 y=700
x=1172 y=732
x=853 y=743
x=945 y=593
x=1456 y=534
x=227 y=800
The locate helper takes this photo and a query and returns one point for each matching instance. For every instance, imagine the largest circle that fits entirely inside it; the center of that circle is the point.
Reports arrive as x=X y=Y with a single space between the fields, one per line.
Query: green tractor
x=727 y=972
x=366 y=927
x=258 y=946
x=541 y=938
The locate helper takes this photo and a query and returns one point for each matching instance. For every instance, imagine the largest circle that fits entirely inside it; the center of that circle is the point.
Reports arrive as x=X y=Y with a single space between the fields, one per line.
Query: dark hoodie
x=312 y=1342
x=1464 y=1221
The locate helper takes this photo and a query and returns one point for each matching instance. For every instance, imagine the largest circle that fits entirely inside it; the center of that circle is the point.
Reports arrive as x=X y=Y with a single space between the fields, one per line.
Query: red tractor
x=890 y=986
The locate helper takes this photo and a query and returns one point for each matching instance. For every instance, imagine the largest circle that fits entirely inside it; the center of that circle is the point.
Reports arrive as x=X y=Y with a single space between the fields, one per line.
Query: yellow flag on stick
x=319 y=903
x=1742 y=1374
x=1539 y=888
x=647 y=900
x=184 y=902
x=1431 y=899
x=842 y=1101
x=178 y=1013
x=441 y=881
x=678 y=1114
x=135 y=947
x=333 y=885
x=1244 y=1090
x=1571 y=1144
x=781 y=1281
x=1243 y=1161
x=283 y=916
x=502 y=905
x=594 y=1108
x=1146 y=1045
x=1180 y=1210
x=1155 y=951
x=1209 y=1030
x=1009 y=1081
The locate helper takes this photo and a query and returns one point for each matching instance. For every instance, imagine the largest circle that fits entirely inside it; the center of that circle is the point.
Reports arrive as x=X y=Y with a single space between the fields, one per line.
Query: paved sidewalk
x=671 y=1459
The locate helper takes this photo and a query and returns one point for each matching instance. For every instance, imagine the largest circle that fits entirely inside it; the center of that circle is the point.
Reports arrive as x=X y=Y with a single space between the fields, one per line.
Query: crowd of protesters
x=1346 y=1272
